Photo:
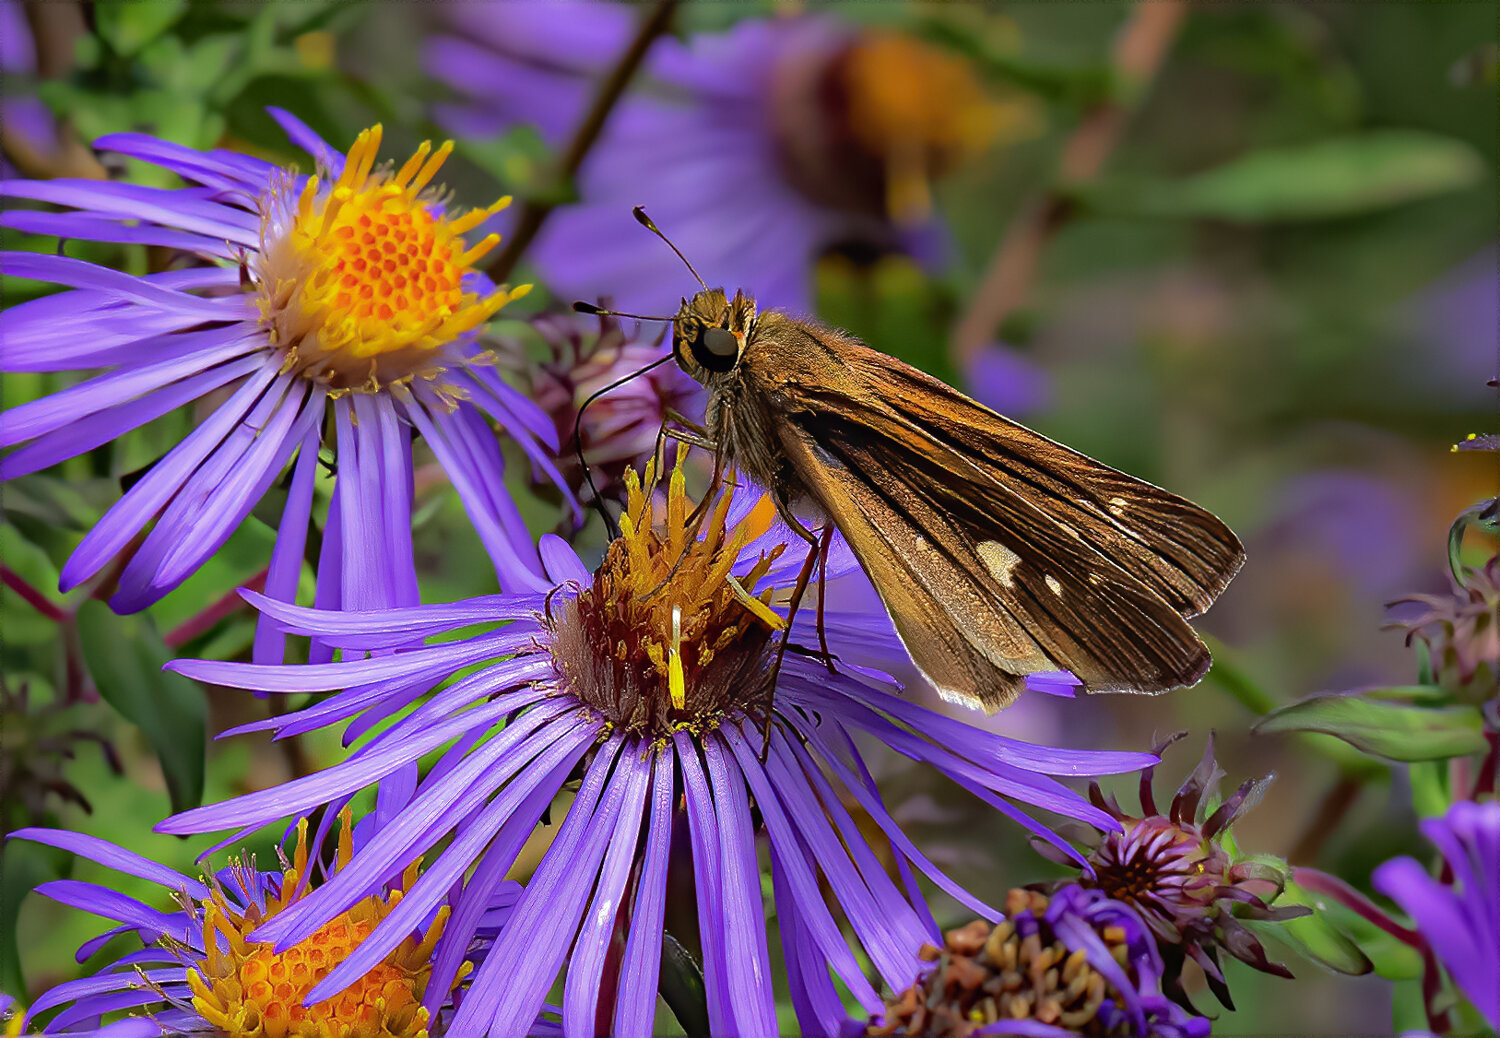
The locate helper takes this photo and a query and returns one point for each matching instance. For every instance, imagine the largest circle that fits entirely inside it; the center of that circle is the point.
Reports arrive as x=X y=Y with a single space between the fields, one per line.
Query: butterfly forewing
x=998 y=552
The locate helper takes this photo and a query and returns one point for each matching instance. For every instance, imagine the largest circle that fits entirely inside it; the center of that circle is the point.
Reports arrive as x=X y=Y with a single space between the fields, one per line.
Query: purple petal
x=635 y=998
x=141 y=502
x=112 y=856
x=747 y=966
x=287 y=555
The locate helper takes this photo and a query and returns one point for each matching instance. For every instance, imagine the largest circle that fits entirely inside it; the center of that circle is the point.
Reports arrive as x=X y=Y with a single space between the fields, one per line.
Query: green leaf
x=125 y=655
x=682 y=986
x=1313 y=936
x=128 y=25
x=520 y=160
x=1325 y=179
x=1393 y=730
x=22 y=866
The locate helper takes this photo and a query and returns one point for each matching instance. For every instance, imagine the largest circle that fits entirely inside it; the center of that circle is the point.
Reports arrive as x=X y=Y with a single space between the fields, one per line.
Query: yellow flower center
x=666 y=638
x=365 y=287
x=250 y=990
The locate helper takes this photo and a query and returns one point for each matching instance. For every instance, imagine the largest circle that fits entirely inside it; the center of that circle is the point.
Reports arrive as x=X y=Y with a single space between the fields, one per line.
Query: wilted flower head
x=1176 y=871
x=650 y=681
x=619 y=430
x=1073 y=962
x=349 y=295
x=757 y=148
x=1461 y=632
x=1457 y=915
x=201 y=972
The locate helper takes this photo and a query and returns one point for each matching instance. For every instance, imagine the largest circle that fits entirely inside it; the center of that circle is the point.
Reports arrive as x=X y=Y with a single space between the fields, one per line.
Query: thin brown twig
x=534 y=213
x=55 y=27
x=1139 y=50
x=1331 y=809
x=229 y=604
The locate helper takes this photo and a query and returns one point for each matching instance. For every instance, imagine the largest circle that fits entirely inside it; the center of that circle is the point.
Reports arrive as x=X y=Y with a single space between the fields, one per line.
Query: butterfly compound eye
x=716 y=349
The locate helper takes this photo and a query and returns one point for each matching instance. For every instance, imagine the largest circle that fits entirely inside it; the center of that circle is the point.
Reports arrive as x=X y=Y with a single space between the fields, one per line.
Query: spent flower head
x=649 y=682
x=619 y=429
x=288 y=300
x=1461 y=633
x=1178 y=870
x=1072 y=962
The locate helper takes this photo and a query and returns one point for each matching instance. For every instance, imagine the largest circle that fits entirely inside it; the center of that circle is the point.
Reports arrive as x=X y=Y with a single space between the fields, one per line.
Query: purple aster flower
x=200 y=973
x=350 y=296
x=759 y=147
x=1073 y=962
x=1458 y=915
x=1177 y=870
x=651 y=683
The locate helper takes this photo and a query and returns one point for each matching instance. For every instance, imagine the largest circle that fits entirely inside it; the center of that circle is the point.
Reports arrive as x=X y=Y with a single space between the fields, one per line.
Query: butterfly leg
x=815 y=549
x=824 y=543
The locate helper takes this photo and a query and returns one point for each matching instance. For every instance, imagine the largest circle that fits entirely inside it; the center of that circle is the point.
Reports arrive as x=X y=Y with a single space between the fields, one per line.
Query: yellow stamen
x=365 y=287
x=253 y=991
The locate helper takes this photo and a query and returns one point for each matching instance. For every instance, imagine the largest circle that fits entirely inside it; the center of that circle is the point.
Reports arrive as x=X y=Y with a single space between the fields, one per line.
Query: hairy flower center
x=249 y=989
x=666 y=639
x=1158 y=864
x=365 y=287
x=1018 y=970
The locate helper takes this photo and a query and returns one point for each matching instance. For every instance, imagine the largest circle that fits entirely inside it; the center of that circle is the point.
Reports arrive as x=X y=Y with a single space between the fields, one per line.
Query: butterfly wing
x=998 y=552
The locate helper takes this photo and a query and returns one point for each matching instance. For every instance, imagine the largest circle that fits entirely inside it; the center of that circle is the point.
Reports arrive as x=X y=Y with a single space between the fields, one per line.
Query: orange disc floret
x=250 y=989
x=365 y=285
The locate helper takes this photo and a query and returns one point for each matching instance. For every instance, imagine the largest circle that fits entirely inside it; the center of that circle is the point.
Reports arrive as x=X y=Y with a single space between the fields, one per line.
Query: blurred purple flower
x=291 y=321
x=1070 y=963
x=1360 y=523
x=1007 y=381
x=1459 y=915
x=755 y=149
x=199 y=975
x=28 y=124
x=652 y=678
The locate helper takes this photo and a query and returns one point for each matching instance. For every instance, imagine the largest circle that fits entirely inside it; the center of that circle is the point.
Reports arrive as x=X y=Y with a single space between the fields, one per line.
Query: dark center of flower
x=666 y=639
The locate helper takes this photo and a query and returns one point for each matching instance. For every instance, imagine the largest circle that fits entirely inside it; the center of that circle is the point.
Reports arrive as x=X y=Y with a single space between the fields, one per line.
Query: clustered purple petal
x=1458 y=915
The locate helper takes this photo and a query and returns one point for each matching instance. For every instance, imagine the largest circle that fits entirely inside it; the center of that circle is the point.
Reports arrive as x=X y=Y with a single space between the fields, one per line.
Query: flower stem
x=31 y=596
x=1139 y=50
x=228 y=605
x=534 y=213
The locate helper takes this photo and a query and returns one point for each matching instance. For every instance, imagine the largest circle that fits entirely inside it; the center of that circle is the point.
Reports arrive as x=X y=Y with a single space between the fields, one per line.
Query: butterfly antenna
x=609 y=520
x=645 y=221
x=589 y=308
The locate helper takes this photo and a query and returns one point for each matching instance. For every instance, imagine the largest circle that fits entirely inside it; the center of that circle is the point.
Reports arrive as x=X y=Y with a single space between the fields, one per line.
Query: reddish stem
x=228 y=605
x=1322 y=883
x=31 y=596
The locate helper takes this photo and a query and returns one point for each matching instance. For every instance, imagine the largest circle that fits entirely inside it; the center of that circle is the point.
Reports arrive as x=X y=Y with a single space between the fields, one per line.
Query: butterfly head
x=709 y=332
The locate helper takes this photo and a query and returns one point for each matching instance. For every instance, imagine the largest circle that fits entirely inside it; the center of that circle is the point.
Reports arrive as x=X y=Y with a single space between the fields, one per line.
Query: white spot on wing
x=1055 y=587
x=1117 y=506
x=921 y=543
x=999 y=560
